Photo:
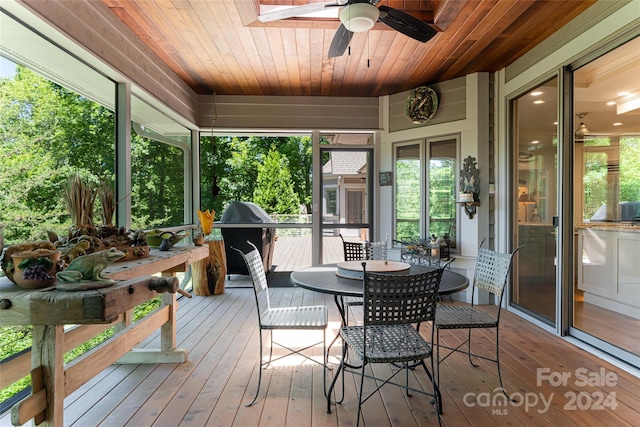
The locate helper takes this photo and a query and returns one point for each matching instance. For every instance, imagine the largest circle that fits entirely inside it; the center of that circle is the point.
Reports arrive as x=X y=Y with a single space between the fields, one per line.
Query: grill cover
x=261 y=235
x=244 y=213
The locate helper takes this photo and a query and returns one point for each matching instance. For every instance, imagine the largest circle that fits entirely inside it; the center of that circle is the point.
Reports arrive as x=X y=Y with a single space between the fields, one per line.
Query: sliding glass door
x=535 y=132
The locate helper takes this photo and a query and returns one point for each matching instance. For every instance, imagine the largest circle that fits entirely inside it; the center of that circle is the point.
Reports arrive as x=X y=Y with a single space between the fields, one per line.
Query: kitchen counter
x=610 y=226
x=608 y=268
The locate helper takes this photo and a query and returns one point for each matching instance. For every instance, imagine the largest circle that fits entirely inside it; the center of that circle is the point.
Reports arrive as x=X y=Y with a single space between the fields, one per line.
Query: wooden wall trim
x=289 y=112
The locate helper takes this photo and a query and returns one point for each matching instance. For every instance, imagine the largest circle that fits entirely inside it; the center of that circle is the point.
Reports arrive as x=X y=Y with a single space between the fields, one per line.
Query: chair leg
x=360 y=394
x=406 y=378
x=259 y=373
x=469 y=349
x=499 y=373
x=270 y=346
x=436 y=390
x=335 y=378
x=437 y=374
x=325 y=362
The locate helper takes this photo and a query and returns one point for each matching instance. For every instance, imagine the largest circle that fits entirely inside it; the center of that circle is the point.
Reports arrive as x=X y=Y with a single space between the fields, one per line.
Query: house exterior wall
x=472 y=126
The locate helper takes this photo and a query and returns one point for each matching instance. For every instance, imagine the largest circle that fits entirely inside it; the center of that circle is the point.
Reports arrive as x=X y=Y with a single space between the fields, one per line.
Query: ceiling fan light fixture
x=581 y=130
x=359 y=17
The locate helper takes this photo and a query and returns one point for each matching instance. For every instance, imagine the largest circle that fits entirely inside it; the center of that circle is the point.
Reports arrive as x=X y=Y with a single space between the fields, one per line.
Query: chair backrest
x=353 y=251
x=377 y=250
x=258 y=277
x=393 y=299
x=492 y=270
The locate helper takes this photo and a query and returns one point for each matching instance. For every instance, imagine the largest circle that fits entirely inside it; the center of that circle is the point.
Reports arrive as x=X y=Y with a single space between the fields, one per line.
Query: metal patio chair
x=353 y=251
x=394 y=308
x=491 y=273
x=282 y=318
x=370 y=251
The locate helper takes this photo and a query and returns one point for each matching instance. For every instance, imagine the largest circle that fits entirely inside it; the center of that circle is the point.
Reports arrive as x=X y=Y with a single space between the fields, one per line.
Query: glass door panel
x=346 y=204
x=606 y=186
x=535 y=133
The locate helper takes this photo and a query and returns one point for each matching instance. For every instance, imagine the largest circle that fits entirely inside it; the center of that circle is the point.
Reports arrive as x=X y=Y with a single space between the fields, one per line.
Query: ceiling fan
x=358 y=16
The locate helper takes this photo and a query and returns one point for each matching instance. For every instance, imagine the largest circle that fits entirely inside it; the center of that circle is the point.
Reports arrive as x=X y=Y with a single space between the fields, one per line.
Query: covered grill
x=255 y=229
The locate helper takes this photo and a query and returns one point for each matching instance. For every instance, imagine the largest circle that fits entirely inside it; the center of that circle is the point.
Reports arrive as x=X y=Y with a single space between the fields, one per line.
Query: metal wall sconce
x=469 y=187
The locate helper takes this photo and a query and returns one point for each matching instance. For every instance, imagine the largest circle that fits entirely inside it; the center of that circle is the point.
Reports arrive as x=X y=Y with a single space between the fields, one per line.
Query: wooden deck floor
x=220 y=377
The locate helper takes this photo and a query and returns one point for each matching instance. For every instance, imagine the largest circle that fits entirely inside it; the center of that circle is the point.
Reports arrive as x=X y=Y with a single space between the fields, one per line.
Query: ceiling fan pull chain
x=368 y=51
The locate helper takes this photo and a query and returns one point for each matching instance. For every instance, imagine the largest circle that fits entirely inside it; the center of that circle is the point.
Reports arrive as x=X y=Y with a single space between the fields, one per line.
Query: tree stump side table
x=213 y=269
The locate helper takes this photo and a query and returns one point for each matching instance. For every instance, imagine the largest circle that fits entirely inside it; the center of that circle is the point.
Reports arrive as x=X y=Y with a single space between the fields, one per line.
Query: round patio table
x=323 y=278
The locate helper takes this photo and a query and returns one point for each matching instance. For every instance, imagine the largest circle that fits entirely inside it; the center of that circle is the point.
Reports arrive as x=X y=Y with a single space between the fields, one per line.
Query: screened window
x=50 y=132
x=158 y=176
x=442 y=189
x=408 y=190
x=331 y=201
x=426 y=206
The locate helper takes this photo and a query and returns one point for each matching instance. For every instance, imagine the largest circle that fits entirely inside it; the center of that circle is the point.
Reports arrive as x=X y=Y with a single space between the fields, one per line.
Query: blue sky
x=7 y=68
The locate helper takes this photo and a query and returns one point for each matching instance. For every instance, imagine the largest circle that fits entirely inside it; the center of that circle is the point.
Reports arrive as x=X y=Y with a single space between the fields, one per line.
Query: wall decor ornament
x=386 y=178
x=469 y=186
x=421 y=105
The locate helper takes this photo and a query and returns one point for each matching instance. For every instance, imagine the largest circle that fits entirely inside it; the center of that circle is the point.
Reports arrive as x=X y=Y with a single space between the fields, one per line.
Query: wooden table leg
x=48 y=351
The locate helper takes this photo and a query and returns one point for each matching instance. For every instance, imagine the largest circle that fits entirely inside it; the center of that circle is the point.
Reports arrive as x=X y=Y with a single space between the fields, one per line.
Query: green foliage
x=595 y=184
x=235 y=161
x=408 y=199
x=157 y=183
x=48 y=133
x=274 y=188
x=630 y=169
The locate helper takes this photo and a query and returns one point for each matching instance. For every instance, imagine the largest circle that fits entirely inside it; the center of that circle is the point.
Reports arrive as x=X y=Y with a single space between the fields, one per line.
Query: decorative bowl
x=155 y=237
x=35 y=269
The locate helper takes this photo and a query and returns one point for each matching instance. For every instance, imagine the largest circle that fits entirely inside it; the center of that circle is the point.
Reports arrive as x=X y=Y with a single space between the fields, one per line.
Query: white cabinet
x=609 y=269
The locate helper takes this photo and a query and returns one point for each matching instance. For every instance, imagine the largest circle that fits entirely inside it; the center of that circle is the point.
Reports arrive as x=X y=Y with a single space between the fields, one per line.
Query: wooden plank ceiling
x=220 y=45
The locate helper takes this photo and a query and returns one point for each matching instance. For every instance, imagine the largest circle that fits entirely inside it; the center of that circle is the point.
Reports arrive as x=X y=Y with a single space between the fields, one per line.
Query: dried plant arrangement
x=107 y=202
x=79 y=199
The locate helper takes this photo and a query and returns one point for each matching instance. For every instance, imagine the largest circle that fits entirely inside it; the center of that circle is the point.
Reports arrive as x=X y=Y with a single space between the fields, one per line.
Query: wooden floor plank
x=221 y=335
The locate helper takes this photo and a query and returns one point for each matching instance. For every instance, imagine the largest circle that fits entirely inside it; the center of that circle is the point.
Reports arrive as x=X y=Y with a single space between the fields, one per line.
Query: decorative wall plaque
x=421 y=105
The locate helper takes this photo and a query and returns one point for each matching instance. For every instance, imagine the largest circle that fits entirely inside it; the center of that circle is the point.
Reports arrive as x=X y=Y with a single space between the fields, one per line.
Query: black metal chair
x=492 y=271
x=394 y=308
x=282 y=318
x=353 y=251
x=369 y=251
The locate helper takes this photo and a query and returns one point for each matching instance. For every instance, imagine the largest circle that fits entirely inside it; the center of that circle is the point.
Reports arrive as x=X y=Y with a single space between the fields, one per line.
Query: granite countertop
x=610 y=226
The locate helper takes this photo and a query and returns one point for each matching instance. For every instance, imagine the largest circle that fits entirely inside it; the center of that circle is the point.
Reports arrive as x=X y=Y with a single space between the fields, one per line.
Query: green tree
x=274 y=187
x=157 y=176
x=43 y=140
x=408 y=199
x=630 y=169
x=234 y=162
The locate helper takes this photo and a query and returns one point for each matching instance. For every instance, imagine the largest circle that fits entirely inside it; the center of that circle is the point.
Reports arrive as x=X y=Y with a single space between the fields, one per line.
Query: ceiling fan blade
x=340 y=41
x=292 y=12
x=406 y=24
